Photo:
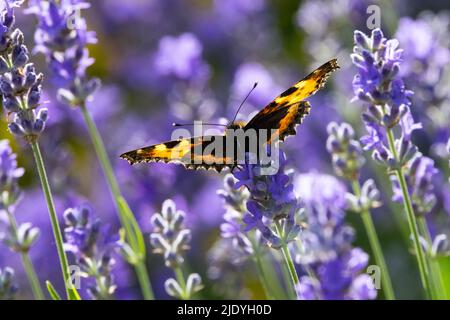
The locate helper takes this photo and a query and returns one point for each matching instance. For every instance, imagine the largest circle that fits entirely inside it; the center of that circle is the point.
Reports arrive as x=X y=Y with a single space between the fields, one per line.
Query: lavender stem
x=27 y=263
x=125 y=219
x=375 y=245
x=412 y=222
x=71 y=292
x=433 y=265
x=287 y=257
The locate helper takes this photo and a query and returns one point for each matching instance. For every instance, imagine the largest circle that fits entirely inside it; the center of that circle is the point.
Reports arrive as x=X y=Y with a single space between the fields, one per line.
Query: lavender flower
x=92 y=250
x=8 y=288
x=62 y=36
x=9 y=175
x=236 y=247
x=378 y=84
x=21 y=237
x=20 y=86
x=346 y=152
x=348 y=159
x=327 y=244
x=419 y=177
x=171 y=239
x=272 y=201
x=232 y=228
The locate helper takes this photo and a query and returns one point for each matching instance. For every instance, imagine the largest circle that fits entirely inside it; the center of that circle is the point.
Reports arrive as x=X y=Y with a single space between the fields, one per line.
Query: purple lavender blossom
x=348 y=159
x=233 y=227
x=8 y=287
x=272 y=200
x=378 y=84
x=20 y=237
x=92 y=250
x=420 y=175
x=9 y=175
x=347 y=154
x=171 y=238
x=62 y=36
x=327 y=244
x=235 y=247
x=20 y=86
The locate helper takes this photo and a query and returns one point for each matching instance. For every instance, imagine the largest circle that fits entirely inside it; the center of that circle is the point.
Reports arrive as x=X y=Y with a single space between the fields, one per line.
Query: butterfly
x=279 y=119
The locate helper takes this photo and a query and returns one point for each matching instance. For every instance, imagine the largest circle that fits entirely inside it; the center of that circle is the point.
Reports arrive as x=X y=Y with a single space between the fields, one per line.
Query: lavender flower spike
x=379 y=85
x=62 y=36
x=336 y=268
x=18 y=237
x=92 y=251
x=20 y=85
x=272 y=200
x=171 y=238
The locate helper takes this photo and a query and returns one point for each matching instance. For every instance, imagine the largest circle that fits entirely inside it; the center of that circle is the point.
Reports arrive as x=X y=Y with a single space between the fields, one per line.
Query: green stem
x=287 y=257
x=262 y=277
x=412 y=223
x=433 y=265
x=260 y=269
x=144 y=281
x=375 y=245
x=32 y=277
x=180 y=278
x=102 y=155
x=27 y=263
x=291 y=293
x=53 y=217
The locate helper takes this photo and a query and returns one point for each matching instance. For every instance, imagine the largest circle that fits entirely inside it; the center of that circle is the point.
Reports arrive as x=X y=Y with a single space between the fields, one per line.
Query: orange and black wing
x=205 y=152
x=288 y=109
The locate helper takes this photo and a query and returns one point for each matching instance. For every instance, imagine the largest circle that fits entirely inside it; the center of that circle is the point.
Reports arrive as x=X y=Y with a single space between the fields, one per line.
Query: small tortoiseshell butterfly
x=279 y=118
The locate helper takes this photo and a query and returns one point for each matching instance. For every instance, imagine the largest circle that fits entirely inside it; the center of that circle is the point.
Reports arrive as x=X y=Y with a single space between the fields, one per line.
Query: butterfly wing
x=193 y=153
x=283 y=120
x=288 y=109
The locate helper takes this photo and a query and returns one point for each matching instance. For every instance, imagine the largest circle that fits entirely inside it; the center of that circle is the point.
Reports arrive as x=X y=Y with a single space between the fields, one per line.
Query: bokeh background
x=165 y=61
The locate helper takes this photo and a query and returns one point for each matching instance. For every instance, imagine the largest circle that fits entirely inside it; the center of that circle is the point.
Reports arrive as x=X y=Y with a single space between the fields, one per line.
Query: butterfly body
x=274 y=122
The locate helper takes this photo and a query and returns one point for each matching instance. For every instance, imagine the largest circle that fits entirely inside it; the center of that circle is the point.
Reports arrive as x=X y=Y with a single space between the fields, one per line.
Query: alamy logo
x=374 y=272
x=374 y=19
x=74 y=280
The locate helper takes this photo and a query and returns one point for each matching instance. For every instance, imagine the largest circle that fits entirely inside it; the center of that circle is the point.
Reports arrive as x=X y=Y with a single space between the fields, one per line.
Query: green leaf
x=73 y=294
x=132 y=230
x=444 y=263
x=53 y=293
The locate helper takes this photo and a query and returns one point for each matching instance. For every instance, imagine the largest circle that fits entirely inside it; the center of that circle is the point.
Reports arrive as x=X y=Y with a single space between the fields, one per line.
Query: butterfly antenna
x=192 y=124
x=243 y=101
